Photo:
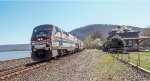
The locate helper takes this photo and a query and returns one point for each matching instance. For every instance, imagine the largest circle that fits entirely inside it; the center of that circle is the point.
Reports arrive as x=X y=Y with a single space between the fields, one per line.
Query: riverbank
x=14 y=63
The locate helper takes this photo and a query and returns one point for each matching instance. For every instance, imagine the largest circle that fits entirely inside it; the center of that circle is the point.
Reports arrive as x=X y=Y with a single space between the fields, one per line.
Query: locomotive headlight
x=39 y=39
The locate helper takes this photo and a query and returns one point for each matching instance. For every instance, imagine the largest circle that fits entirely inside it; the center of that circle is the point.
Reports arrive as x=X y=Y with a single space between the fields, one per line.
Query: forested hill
x=84 y=32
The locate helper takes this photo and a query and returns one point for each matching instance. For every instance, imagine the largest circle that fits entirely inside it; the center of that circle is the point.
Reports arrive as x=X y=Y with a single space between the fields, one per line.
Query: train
x=49 y=41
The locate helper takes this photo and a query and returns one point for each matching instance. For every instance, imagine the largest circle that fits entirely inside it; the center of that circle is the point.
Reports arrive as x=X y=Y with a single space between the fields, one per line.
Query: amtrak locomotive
x=49 y=41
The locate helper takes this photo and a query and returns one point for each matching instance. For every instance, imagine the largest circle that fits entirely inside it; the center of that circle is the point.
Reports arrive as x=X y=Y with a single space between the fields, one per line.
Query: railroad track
x=8 y=73
x=18 y=70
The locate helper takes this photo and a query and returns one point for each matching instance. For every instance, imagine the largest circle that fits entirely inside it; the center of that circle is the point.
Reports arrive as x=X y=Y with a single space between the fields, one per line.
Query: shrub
x=114 y=42
x=93 y=43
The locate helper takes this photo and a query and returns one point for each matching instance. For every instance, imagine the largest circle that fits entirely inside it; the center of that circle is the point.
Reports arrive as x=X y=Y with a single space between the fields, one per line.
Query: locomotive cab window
x=42 y=32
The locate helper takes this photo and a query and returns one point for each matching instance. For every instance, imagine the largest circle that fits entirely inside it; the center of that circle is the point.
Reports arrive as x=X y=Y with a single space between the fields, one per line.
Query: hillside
x=84 y=32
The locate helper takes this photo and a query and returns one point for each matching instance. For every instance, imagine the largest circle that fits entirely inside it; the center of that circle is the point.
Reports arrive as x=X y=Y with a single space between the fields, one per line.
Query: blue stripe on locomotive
x=64 y=41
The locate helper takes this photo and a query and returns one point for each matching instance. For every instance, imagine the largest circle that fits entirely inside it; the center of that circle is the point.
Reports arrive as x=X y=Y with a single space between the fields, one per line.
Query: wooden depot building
x=132 y=39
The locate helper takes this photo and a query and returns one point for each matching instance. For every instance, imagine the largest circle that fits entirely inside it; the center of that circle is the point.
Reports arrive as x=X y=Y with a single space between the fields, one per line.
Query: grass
x=105 y=67
x=134 y=57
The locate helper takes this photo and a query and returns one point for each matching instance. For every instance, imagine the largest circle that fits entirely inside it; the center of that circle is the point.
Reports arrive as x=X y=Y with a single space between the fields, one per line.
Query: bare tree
x=146 y=32
x=97 y=34
x=95 y=40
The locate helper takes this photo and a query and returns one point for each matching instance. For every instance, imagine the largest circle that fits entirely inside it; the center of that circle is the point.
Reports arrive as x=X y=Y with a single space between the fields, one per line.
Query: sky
x=18 y=18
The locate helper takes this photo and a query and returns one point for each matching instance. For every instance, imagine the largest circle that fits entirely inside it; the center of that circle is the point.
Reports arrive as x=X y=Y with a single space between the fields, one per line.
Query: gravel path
x=77 y=67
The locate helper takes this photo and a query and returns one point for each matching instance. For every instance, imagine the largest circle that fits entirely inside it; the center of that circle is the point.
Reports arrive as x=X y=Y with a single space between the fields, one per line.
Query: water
x=14 y=55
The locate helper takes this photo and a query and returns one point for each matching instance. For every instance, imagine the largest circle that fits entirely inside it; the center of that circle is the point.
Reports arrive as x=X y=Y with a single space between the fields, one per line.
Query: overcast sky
x=17 y=19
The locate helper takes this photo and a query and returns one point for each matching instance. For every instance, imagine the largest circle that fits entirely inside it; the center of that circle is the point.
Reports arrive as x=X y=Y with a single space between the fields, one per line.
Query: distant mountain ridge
x=15 y=47
x=84 y=32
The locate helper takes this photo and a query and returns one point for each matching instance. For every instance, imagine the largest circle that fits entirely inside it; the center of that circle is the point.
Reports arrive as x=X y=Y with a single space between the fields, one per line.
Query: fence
x=141 y=59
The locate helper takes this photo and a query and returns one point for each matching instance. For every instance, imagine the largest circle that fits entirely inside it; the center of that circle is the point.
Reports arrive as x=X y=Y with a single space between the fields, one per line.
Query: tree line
x=96 y=40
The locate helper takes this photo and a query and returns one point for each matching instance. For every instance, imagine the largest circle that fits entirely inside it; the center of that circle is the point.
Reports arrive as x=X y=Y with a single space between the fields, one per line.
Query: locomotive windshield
x=42 y=32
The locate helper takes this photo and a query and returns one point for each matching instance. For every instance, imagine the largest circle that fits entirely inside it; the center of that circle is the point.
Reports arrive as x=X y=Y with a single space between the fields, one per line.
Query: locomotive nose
x=41 y=50
x=38 y=45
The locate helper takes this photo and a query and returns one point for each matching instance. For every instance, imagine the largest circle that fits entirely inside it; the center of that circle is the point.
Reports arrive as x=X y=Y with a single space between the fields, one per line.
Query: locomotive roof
x=50 y=25
x=45 y=25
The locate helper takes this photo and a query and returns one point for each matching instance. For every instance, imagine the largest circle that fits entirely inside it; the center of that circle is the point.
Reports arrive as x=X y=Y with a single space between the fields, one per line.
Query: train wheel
x=40 y=54
x=67 y=52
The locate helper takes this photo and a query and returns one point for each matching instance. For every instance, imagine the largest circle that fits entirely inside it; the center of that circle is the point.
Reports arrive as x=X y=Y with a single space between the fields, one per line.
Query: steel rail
x=18 y=70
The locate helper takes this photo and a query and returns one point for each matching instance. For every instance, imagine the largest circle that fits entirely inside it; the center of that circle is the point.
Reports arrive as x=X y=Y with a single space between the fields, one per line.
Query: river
x=14 y=55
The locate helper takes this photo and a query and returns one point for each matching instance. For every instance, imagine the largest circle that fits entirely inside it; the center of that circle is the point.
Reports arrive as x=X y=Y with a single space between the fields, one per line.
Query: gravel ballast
x=14 y=63
x=82 y=66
